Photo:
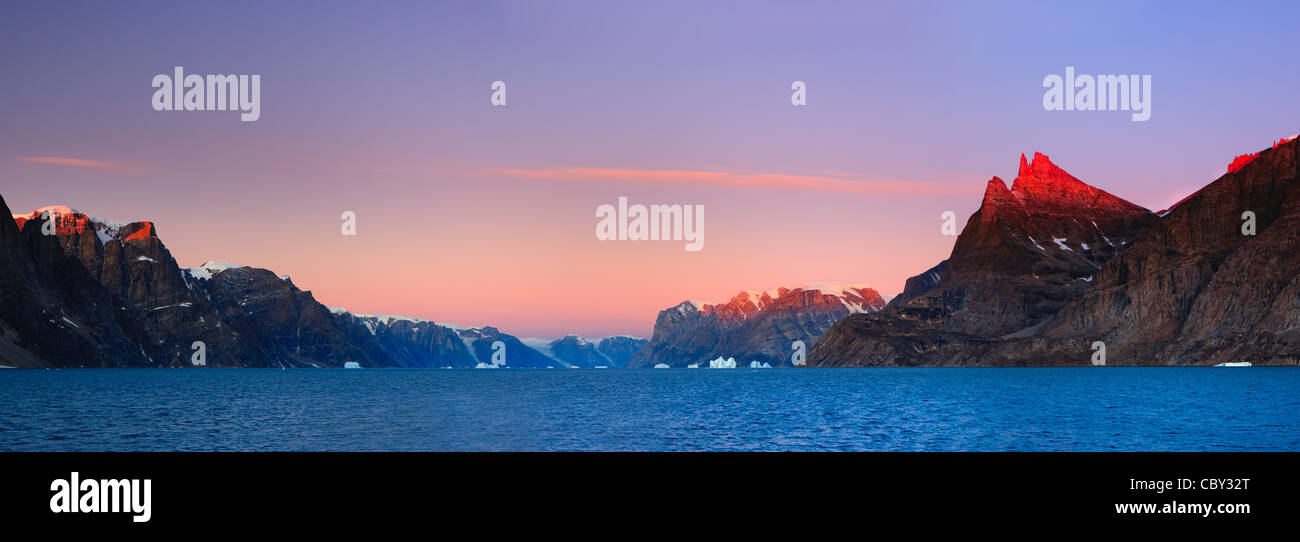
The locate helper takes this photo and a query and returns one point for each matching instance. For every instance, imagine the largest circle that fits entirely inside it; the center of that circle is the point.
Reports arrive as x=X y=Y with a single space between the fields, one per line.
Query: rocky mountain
x=99 y=293
x=575 y=351
x=752 y=326
x=52 y=311
x=234 y=316
x=1046 y=268
x=920 y=284
x=1200 y=287
x=480 y=341
x=409 y=342
x=618 y=349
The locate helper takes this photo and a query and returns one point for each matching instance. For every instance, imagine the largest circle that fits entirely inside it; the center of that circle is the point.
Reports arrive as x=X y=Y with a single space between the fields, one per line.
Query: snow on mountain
x=205 y=271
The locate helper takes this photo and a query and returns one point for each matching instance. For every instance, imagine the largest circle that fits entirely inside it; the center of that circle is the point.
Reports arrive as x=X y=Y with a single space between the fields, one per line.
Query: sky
x=471 y=214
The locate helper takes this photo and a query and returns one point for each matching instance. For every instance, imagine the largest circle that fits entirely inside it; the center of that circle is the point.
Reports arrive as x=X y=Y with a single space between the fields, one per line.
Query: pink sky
x=473 y=214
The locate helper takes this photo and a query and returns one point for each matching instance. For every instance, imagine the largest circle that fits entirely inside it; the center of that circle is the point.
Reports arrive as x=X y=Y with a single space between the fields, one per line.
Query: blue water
x=1083 y=409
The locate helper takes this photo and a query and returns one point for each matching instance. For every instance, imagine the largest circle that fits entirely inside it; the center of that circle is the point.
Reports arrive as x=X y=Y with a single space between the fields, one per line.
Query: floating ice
x=729 y=363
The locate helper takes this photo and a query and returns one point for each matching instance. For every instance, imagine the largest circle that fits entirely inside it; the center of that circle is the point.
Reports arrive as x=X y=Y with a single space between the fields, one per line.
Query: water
x=1083 y=409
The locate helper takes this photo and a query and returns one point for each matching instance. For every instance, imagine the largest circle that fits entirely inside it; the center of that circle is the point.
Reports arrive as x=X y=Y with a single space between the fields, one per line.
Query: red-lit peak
x=1241 y=161
x=1042 y=186
x=138 y=231
x=67 y=221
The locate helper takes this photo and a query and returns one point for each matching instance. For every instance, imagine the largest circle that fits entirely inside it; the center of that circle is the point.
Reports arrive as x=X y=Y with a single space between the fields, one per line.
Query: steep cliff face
x=123 y=292
x=1030 y=249
x=1023 y=255
x=286 y=325
x=54 y=313
x=752 y=326
x=1195 y=289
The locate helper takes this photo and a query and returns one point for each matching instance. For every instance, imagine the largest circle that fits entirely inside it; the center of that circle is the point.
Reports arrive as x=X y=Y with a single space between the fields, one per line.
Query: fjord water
x=975 y=409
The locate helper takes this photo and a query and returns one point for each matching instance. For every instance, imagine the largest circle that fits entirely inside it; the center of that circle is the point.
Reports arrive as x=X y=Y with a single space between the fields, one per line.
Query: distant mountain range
x=105 y=294
x=753 y=327
x=1044 y=270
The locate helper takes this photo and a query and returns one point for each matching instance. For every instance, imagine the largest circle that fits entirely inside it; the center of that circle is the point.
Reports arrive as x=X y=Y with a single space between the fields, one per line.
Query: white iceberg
x=729 y=363
x=661 y=366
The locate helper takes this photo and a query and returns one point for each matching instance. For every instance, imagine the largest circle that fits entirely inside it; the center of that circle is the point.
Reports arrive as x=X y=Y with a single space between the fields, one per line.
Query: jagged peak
x=1241 y=161
x=70 y=221
x=1041 y=171
x=995 y=191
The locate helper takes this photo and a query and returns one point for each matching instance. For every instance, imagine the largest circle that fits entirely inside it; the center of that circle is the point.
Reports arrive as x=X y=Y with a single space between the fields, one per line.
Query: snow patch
x=205 y=271
x=1060 y=242
x=543 y=346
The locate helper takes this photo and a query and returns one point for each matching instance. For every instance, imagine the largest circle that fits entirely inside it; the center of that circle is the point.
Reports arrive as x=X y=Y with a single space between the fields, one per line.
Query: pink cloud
x=750 y=180
x=91 y=164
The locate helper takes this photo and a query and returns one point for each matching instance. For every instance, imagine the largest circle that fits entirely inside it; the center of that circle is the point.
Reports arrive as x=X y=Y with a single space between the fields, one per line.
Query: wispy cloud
x=750 y=180
x=92 y=164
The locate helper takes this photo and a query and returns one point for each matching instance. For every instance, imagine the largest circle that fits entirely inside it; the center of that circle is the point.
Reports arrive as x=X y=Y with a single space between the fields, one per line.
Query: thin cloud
x=92 y=164
x=749 y=180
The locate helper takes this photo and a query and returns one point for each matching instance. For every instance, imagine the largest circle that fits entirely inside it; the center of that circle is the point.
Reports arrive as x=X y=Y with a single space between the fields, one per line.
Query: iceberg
x=729 y=363
x=661 y=366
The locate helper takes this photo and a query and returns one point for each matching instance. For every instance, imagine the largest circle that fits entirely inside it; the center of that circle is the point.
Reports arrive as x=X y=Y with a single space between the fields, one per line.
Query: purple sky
x=383 y=109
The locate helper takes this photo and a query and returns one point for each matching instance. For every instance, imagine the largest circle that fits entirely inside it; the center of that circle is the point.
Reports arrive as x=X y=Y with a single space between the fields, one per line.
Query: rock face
x=286 y=325
x=408 y=342
x=103 y=294
x=480 y=341
x=52 y=311
x=753 y=326
x=1023 y=255
x=1186 y=288
x=918 y=285
x=607 y=352
x=619 y=348
x=1195 y=289
x=577 y=352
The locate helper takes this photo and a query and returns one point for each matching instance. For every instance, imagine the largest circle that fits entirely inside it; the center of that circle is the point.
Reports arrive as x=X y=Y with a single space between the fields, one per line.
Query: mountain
x=575 y=351
x=409 y=342
x=618 y=349
x=104 y=294
x=752 y=326
x=920 y=284
x=54 y=313
x=480 y=341
x=1023 y=255
x=1195 y=289
x=236 y=316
